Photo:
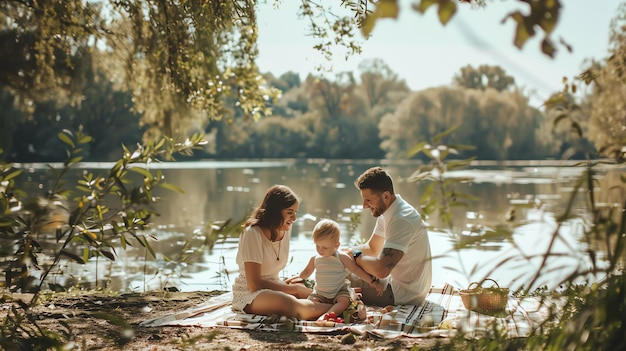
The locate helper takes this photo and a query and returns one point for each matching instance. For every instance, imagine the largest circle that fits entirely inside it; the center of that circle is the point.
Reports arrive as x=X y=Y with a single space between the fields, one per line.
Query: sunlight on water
x=523 y=197
x=511 y=264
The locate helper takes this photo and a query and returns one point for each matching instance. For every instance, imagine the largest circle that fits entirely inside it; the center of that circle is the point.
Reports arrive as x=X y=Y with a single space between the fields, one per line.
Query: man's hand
x=378 y=287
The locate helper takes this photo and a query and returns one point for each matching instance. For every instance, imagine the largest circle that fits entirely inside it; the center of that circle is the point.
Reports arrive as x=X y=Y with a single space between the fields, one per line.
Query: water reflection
x=503 y=234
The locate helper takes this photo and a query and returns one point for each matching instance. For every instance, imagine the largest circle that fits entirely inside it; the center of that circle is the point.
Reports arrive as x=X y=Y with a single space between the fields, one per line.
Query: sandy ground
x=99 y=321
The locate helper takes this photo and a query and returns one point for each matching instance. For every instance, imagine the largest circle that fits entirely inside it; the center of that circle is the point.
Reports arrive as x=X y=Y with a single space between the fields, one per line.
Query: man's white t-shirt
x=403 y=229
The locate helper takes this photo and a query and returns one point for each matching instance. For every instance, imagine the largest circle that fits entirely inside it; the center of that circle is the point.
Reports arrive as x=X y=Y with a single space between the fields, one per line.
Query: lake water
x=216 y=191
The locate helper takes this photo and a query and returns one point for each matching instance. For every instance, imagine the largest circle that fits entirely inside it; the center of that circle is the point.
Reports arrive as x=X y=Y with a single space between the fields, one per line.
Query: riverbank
x=94 y=320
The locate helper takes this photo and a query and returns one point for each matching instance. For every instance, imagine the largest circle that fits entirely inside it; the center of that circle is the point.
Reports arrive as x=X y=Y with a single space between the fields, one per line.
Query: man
x=398 y=248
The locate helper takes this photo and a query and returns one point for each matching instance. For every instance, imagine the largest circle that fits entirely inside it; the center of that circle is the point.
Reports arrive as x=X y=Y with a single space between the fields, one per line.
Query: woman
x=262 y=253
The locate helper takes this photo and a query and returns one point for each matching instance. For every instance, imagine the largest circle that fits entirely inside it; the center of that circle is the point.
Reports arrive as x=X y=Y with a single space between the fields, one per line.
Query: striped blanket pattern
x=441 y=315
x=403 y=319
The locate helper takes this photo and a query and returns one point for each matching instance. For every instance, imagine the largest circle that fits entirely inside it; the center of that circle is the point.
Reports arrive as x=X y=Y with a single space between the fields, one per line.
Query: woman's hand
x=300 y=289
x=294 y=280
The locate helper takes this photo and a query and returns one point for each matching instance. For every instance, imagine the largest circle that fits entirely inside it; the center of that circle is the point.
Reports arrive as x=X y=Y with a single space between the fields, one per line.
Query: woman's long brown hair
x=269 y=212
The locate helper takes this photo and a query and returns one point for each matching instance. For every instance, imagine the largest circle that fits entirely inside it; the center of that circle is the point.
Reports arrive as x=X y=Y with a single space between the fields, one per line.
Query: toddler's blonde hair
x=326 y=228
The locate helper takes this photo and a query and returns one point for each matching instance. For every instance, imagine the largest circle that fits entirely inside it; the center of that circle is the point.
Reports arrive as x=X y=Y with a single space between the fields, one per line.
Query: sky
x=424 y=53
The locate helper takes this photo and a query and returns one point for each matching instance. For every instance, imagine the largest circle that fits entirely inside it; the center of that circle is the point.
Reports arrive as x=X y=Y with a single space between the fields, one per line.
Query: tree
x=501 y=125
x=104 y=112
x=183 y=59
x=484 y=77
x=378 y=81
x=608 y=98
x=276 y=137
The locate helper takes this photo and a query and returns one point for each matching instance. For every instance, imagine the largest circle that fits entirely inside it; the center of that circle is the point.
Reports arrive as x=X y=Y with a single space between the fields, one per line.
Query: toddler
x=331 y=270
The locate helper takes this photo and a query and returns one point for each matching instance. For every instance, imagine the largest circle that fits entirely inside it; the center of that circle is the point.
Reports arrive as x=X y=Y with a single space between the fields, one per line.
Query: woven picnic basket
x=487 y=300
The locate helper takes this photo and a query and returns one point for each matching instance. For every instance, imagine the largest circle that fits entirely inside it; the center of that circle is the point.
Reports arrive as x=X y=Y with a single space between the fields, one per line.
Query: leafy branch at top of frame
x=335 y=29
x=541 y=16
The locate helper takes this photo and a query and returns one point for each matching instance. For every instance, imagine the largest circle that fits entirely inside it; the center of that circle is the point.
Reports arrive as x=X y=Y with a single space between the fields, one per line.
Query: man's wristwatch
x=355 y=254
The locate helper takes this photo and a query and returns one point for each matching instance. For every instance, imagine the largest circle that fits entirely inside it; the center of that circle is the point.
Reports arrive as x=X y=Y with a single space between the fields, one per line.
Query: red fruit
x=339 y=320
x=330 y=316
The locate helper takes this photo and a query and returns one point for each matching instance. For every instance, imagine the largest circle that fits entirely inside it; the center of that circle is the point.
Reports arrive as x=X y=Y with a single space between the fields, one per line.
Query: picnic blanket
x=442 y=314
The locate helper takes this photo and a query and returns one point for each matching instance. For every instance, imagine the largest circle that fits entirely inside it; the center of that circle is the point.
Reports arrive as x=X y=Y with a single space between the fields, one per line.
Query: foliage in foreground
x=592 y=316
x=84 y=222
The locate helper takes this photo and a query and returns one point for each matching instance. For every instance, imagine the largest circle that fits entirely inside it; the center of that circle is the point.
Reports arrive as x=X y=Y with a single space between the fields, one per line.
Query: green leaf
x=82 y=188
x=457 y=164
x=424 y=5
x=72 y=256
x=546 y=16
x=447 y=9
x=522 y=33
x=124 y=242
x=547 y=47
x=141 y=171
x=387 y=9
x=12 y=175
x=461 y=147
x=419 y=176
x=368 y=25
x=172 y=187
x=416 y=149
x=6 y=222
x=107 y=254
x=446 y=132
x=85 y=139
x=76 y=160
x=149 y=247
x=384 y=9
x=160 y=143
x=66 y=138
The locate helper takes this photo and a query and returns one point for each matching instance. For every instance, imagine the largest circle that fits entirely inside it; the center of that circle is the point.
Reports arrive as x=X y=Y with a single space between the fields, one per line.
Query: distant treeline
x=366 y=114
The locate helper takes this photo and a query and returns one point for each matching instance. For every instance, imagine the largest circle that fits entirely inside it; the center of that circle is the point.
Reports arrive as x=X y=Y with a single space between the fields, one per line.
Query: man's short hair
x=375 y=179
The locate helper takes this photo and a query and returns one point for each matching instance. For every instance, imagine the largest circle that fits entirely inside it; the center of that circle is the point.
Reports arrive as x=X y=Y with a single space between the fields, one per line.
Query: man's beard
x=378 y=210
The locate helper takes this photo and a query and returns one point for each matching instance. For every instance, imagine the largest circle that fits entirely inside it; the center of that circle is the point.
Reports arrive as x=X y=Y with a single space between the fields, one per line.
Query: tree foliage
x=484 y=77
x=183 y=60
x=180 y=59
x=540 y=16
x=501 y=125
x=608 y=99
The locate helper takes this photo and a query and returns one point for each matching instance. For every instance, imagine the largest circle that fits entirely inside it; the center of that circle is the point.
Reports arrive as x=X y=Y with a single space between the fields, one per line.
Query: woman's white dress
x=255 y=247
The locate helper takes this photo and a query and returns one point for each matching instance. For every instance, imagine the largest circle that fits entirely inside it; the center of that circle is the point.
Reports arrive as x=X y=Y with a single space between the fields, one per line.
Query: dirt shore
x=100 y=321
